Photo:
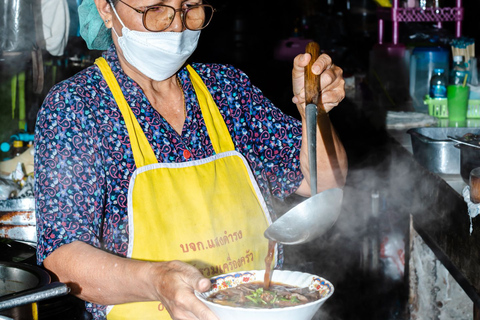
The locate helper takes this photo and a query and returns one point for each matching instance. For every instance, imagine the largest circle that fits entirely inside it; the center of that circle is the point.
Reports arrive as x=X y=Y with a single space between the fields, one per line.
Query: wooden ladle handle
x=312 y=81
x=313 y=98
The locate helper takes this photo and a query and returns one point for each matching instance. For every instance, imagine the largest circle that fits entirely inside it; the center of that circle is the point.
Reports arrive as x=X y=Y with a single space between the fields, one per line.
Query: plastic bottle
x=459 y=71
x=438 y=84
x=437 y=4
x=17 y=148
x=424 y=4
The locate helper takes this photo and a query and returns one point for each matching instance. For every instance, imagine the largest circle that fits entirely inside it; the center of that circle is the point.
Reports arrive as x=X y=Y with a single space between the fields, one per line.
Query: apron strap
x=141 y=149
x=216 y=127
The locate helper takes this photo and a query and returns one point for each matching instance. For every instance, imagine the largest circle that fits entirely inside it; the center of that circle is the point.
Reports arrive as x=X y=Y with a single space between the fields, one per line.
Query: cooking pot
x=469 y=160
x=433 y=149
x=21 y=286
x=15 y=251
x=17 y=220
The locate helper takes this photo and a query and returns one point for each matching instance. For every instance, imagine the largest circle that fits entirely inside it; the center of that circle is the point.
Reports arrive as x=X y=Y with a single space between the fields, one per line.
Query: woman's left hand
x=332 y=84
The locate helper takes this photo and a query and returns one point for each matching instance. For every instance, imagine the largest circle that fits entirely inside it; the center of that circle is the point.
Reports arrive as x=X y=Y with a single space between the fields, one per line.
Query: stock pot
x=21 y=287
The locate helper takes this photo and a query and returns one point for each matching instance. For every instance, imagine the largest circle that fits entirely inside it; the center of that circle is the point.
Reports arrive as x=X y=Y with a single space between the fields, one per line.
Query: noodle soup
x=255 y=295
x=287 y=310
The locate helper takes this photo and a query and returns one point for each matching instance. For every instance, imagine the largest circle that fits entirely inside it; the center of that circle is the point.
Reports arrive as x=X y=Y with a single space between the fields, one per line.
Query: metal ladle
x=313 y=217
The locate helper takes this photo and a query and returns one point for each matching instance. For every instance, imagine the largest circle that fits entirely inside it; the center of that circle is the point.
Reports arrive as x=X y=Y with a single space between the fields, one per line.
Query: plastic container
x=422 y=64
x=438 y=84
x=474 y=92
x=459 y=71
x=457 y=96
x=473 y=71
x=439 y=108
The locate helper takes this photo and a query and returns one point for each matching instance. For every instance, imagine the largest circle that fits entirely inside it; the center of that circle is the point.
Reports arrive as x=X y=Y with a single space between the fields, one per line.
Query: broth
x=253 y=295
x=268 y=264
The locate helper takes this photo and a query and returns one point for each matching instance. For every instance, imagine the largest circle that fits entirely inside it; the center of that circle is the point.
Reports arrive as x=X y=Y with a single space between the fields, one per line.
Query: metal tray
x=24 y=204
x=432 y=149
x=17 y=220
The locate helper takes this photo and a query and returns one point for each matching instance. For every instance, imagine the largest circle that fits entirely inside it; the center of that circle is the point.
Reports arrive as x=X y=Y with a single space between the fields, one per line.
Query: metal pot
x=17 y=220
x=15 y=251
x=21 y=286
x=469 y=160
x=435 y=151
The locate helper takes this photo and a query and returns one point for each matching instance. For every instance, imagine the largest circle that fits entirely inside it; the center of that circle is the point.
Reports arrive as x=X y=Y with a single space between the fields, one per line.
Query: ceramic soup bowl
x=293 y=278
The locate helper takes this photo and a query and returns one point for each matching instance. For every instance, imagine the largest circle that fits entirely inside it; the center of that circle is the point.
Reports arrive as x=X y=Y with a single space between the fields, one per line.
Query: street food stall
x=405 y=244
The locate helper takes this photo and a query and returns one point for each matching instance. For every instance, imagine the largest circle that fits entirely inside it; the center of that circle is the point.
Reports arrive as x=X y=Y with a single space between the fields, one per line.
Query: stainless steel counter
x=440 y=216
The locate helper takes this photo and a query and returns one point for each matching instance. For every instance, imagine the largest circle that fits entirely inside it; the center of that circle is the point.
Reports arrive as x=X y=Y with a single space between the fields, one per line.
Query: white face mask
x=158 y=55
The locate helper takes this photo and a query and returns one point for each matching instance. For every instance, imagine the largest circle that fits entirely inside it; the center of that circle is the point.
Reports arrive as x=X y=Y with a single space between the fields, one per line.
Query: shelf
x=395 y=14
x=420 y=15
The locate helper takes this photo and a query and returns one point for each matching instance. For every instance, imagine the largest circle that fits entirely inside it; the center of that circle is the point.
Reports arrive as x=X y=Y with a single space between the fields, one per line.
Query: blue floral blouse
x=83 y=159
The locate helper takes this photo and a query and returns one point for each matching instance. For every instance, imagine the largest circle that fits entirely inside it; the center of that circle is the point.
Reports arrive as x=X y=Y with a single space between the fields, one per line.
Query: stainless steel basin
x=432 y=149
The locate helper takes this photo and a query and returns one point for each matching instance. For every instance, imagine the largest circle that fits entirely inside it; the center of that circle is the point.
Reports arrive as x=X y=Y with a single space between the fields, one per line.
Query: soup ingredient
x=471 y=137
x=253 y=295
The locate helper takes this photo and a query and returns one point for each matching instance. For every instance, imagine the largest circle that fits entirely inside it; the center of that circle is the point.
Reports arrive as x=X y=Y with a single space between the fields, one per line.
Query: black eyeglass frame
x=183 y=14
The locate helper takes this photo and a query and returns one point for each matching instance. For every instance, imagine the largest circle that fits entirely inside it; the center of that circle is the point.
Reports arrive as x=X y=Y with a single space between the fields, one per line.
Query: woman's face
x=133 y=19
x=130 y=18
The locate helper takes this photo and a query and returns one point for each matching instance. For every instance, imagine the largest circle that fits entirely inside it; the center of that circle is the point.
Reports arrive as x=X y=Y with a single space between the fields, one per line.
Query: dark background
x=247 y=34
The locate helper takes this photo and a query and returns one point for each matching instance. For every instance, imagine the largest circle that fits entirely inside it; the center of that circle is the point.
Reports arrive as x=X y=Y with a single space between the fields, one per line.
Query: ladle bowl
x=308 y=220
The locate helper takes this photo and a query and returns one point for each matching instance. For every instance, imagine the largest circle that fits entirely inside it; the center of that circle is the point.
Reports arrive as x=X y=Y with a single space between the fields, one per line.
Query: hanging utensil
x=457 y=140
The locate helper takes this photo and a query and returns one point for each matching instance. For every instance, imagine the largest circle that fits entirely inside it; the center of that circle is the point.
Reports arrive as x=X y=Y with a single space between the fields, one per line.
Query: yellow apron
x=208 y=212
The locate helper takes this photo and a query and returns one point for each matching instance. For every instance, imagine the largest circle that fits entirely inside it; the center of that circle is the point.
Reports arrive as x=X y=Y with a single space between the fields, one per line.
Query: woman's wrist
x=152 y=277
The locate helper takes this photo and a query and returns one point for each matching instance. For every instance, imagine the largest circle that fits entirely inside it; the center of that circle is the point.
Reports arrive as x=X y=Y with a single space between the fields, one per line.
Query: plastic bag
x=8 y=189
x=56 y=24
x=17 y=26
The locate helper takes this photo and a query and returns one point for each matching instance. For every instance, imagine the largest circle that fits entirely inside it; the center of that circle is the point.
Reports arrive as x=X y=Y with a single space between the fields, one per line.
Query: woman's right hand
x=100 y=277
x=175 y=285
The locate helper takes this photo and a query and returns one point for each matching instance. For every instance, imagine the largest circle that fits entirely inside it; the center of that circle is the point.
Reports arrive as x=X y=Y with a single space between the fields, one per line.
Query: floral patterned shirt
x=83 y=159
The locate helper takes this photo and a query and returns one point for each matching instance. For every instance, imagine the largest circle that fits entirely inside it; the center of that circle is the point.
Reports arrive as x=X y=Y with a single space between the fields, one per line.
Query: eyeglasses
x=159 y=17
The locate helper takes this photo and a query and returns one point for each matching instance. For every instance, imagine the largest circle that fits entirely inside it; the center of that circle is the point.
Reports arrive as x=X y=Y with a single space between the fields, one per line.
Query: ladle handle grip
x=312 y=81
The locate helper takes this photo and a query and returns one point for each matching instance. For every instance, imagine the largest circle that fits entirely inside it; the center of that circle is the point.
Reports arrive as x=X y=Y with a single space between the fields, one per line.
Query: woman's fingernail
x=295 y=100
x=316 y=69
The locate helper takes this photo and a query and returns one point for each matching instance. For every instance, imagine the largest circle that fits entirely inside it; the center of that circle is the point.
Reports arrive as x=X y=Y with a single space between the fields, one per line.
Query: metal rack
x=397 y=14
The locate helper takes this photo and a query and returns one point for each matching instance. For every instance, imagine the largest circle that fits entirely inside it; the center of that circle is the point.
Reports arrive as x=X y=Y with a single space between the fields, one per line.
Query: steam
x=336 y=256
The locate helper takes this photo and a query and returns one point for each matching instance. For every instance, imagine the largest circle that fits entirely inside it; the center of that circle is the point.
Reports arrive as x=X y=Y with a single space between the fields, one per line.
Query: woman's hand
x=100 y=277
x=177 y=281
x=332 y=84
x=331 y=155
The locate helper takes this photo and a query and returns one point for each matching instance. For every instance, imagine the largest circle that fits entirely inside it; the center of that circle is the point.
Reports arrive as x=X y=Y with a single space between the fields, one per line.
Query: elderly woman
x=152 y=175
